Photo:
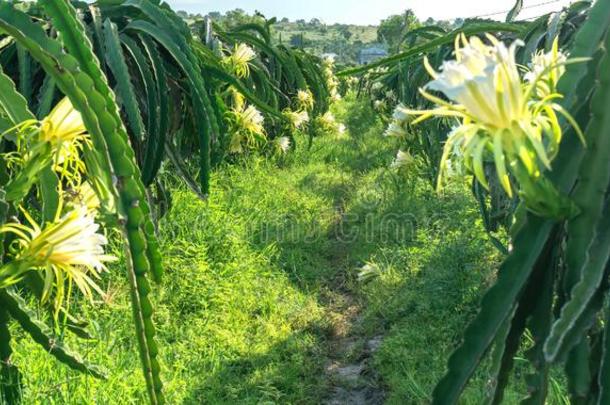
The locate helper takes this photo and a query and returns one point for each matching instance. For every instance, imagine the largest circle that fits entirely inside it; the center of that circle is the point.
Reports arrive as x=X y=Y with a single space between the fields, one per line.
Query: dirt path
x=349 y=369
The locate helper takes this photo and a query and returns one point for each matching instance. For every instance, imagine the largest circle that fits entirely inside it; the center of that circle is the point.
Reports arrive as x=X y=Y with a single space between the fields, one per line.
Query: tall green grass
x=245 y=315
x=236 y=319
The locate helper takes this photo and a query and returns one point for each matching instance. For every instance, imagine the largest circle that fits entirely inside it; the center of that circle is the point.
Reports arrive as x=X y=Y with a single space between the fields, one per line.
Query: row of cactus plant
x=93 y=99
x=525 y=115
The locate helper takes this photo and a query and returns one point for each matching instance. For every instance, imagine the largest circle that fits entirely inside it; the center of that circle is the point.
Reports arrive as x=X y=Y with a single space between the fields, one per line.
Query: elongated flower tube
x=63 y=124
x=240 y=59
x=502 y=118
x=239 y=101
x=235 y=144
x=65 y=130
x=70 y=248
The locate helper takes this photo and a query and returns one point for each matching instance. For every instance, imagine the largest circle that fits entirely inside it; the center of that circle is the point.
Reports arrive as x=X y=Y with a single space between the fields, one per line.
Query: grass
x=248 y=306
x=234 y=323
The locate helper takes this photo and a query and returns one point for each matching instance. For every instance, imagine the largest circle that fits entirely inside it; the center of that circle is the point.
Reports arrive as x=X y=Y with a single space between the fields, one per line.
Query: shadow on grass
x=291 y=371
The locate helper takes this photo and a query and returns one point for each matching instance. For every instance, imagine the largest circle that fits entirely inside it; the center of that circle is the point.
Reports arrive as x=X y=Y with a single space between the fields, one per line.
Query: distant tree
x=236 y=13
x=315 y=22
x=346 y=33
x=214 y=15
x=285 y=20
x=445 y=24
x=392 y=29
x=182 y=14
x=236 y=17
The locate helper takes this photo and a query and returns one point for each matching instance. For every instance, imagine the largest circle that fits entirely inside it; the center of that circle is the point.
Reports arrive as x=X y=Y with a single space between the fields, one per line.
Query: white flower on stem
x=403 y=160
x=64 y=124
x=327 y=122
x=297 y=118
x=250 y=119
x=240 y=60
x=401 y=114
x=283 y=144
x=368 y=272
x=395 y=130
x=247 y=128
x=305 y=99
x=380 y=105
x=377 y=86
x=65 y=130
x=546 y=69
x=71 y=248
x=503 y=119
x=328 y=118
x=485 y=81
x=328 y=62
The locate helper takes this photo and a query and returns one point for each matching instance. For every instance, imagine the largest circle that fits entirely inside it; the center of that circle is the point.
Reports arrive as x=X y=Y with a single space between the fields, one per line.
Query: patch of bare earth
x=352 y=379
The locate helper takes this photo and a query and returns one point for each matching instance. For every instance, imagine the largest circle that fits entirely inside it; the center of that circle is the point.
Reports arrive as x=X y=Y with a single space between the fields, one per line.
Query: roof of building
x=374 y=50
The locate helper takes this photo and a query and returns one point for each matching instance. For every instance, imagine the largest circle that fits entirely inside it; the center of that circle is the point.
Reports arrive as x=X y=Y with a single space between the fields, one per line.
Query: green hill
x=344 y=40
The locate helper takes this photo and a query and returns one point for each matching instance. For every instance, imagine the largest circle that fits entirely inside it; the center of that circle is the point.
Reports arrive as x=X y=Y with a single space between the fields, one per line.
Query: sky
x=370 y=12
